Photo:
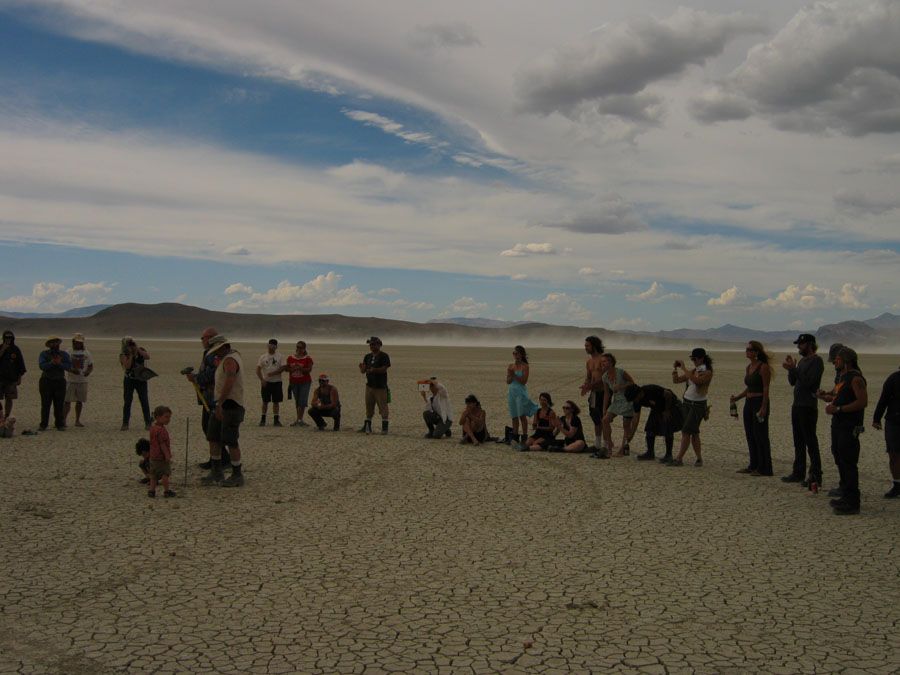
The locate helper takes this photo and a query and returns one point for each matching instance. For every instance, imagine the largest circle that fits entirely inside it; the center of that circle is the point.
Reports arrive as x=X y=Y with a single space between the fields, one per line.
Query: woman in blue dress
x=520 y=406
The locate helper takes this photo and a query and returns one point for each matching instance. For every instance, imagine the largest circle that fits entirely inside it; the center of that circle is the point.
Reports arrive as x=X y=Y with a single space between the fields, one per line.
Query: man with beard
x=805 y=376
x=847 y=409
x=225 y=421
x=205 y=379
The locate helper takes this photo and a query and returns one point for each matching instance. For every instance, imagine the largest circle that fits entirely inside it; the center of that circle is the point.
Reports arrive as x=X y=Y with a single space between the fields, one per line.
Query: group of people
x=610 y=390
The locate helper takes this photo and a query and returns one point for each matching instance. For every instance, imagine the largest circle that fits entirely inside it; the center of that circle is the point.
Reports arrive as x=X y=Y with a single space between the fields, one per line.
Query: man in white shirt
x=268 y=370
x=437 y=414
x=76 y=379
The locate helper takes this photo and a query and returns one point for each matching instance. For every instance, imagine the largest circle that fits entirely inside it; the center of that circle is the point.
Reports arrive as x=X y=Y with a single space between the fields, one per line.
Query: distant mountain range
x=77 y=312
x=176 y=321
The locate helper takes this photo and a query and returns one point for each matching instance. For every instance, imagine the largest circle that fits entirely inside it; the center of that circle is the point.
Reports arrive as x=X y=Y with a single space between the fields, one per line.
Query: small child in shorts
x=160 y=451
x=142 y=448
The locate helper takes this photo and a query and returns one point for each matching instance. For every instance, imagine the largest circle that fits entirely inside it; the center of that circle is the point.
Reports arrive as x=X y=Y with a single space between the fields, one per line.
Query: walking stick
x=187 y=438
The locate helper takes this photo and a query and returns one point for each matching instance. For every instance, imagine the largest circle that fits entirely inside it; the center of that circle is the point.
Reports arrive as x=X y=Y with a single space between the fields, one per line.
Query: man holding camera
x=437 y=415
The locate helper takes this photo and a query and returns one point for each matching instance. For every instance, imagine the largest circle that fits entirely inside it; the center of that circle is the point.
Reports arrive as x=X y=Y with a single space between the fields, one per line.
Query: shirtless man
x=593 y=384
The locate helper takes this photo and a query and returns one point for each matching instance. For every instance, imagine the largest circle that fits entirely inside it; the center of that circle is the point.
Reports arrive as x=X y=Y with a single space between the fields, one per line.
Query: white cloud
x=238 y=288
x=834 y=67
x=48 y=296
x=518 y=277
x=561 y=307
x=236 y=250
x=467 y=307
x=366 y=174
x=814 y=297
x=520 y=250
x=857 y=202
x=388 y=291
x=388 y=126
x=732 y=297
x=656 y=293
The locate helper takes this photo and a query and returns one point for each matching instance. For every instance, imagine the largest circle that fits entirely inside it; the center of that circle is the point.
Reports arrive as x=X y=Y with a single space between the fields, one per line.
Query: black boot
x=650 y=454
x=507 y=435
x=236 y=479
x=366 y=427
x=215 y=473
x=384 y=427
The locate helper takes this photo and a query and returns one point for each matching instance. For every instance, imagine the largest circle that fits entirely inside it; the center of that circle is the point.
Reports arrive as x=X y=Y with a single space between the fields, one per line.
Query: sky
x=647 y=165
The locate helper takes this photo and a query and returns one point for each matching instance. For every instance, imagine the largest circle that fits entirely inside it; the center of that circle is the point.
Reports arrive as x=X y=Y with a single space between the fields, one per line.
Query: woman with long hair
x=615 y=380
x=520 y=406
x=758 y=376
x=546 y=425
x=132 y=358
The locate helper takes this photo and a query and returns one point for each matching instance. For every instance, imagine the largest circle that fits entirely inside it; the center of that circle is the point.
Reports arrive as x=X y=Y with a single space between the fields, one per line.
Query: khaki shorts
x=76 y=392
x=160 y=468
x=9 y=390
x=378 y=396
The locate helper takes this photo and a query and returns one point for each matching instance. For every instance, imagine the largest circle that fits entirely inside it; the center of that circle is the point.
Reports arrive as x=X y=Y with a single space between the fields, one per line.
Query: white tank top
x=237 y=389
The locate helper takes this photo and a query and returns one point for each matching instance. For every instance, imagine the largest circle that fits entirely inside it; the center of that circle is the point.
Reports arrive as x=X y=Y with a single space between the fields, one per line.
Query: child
x=142 y=448
x=160 y=451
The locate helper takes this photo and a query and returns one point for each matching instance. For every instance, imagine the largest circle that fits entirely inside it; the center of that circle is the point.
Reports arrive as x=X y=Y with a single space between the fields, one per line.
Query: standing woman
x=756 y=410
x=520 y=406
x=132 y=358
x=615 y=380
x=570 y=428
x=698 y=379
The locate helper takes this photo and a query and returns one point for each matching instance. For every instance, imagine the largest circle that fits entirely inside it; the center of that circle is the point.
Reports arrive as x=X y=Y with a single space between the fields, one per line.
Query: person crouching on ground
x=437 y=415
x=472 y=422
x=664 y=418
x=326 y=402
x=160 y=451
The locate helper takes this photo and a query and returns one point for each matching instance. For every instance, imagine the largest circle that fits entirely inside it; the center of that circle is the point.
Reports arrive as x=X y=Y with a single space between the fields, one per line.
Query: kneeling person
x=437 y=415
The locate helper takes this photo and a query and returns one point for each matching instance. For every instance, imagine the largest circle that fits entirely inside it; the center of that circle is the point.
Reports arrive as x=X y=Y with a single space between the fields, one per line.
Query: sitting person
x=570 y=428
x=437 y=415
x=472 y=422
x=545 y=425
x=325 y=403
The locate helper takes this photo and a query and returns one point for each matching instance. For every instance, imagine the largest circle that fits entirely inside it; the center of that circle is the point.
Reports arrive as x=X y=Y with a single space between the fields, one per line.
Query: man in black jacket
x=889 y=406
x=12 y=368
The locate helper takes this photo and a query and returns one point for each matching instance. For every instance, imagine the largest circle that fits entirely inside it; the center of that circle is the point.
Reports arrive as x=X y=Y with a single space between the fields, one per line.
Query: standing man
x=889 y=402
x=593 y=385
x=12 y=368
x=76 y=379
x=374 y=366
x=437 y=415
x=225 y=421
x=54 y=363
x=205 y=379
x=805 y=376
x=268 y=370
x=847 y=410
x=326 y=402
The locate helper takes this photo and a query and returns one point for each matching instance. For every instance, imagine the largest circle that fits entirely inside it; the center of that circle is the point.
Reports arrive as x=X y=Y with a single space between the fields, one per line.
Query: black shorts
x=272 y=392
x=595 y=406
x=892 y=437
x=227 y=430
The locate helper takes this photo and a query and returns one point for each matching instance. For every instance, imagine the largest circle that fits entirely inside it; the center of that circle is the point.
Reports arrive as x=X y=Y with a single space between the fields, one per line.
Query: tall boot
x=507 y=435
x=215 y=472
x=384 y=427
x=236 y=479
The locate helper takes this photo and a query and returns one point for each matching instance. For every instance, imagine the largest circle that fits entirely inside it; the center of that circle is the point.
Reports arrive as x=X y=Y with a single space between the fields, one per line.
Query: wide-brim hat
x=698 y=353
x=78 y=337
x=216 y=342
x=52 y=338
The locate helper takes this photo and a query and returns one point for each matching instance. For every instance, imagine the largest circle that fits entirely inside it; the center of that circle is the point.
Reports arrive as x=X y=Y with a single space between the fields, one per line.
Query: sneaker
x=893 y=493
x=43 y=427
x=169 y=493
x=296 y=424
x=666 y=459
x=647 y=456
x=301 y=423
x=792 y=478
x=233 y=481
x=322 y=428
x=675 y=462
x=699 y=462
x=836 y=492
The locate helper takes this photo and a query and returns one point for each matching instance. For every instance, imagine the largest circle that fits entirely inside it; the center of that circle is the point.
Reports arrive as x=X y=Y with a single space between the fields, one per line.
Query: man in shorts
x=76 y=379
x=268 y=370
x=225 y=422
x=12 y=368
x=593 y=386
x=374 y=366
x=205 y=379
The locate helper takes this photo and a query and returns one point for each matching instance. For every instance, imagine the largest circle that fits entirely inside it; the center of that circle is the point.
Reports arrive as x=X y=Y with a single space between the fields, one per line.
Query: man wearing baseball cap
x=326 y=402
x=805 y=375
